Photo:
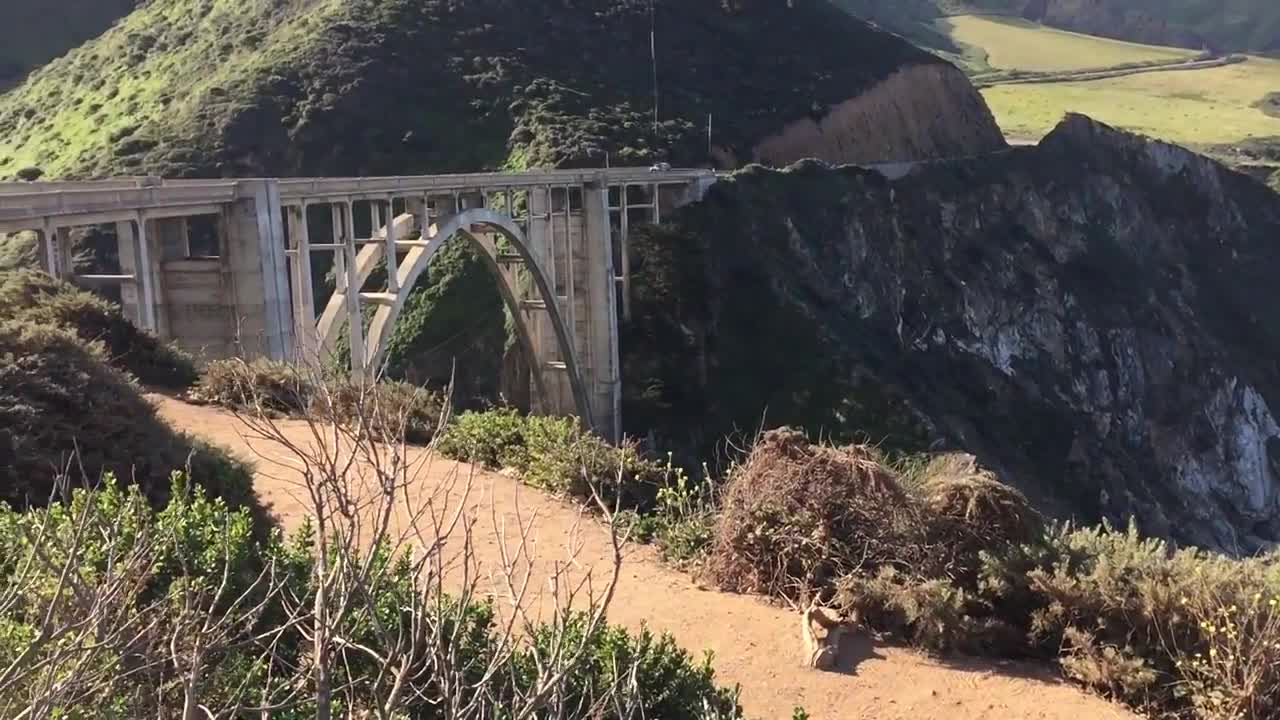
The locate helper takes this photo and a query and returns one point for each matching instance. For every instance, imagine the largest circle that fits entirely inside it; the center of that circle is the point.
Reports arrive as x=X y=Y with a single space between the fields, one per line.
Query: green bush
x=554 y=454
x=492 y=439
x=63 y=408
x=667 y=683
x=197 y=545
x=38 y=299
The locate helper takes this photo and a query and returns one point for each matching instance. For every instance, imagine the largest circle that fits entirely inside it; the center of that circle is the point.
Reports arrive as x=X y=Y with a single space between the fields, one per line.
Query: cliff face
x=1090 y=316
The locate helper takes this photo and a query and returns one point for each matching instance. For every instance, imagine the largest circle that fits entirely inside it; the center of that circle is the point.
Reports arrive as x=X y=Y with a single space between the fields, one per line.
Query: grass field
x=1015 y=44
x=1212 y=106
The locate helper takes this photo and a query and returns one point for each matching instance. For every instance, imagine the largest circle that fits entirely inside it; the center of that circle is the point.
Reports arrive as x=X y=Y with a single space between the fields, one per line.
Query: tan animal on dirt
x=821 y=653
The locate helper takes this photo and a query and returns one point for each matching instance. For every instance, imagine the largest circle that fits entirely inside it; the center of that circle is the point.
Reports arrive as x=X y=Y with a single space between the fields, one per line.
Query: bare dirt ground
x=755 y=644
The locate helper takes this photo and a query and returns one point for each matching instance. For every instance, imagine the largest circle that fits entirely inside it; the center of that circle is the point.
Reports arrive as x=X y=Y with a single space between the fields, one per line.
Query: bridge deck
x=26 y=206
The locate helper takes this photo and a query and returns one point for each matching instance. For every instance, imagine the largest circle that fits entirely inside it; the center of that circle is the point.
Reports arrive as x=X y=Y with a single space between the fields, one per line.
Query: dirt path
x=755 y=645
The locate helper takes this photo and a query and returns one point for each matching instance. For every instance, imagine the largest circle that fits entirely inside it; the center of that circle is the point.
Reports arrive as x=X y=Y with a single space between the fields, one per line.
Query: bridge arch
x=463 y=225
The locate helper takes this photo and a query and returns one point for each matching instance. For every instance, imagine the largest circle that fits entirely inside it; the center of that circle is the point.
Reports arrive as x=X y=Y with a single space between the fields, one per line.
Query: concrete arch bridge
x=225 y=267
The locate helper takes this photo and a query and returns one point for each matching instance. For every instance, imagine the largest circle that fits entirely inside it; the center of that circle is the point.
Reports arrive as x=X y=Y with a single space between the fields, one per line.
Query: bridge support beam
x=255 y=248
x=603 y=371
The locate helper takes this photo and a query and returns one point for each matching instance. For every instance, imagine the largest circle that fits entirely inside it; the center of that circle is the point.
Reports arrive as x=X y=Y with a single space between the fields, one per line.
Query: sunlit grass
x=1211 y=106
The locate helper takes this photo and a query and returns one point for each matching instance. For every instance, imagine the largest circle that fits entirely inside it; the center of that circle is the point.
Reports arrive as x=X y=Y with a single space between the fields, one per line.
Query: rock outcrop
x=1091 y=317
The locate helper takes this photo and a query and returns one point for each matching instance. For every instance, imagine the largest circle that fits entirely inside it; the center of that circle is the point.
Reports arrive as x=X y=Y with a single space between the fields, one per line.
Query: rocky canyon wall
x=1091 y=317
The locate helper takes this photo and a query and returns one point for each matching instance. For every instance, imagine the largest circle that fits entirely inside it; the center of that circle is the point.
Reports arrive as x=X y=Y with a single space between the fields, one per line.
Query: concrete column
x=66 y=256
x=129 y=291
x=146 y=274
x=355 y=321
x=256 y=245
x=602 y=374
x=538 y=238
x=304 y=311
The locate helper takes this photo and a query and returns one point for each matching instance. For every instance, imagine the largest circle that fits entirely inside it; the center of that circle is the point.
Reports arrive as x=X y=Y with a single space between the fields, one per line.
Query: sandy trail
x=756 y=645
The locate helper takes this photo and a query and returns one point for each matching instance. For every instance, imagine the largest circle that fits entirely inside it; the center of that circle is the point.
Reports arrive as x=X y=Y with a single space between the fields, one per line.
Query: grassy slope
x=1014 y=44
x=1202 y=108
x=1228 y=25
x=217 y=87
x=1218 y=105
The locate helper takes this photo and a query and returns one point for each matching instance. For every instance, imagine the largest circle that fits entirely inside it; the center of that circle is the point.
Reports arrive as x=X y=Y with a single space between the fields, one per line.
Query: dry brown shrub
x=970 y=511
x=798 y=515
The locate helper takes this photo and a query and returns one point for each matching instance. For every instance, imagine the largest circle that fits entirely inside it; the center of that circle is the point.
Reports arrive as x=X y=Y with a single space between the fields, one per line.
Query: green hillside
x=1224 y=25
x=236 y=87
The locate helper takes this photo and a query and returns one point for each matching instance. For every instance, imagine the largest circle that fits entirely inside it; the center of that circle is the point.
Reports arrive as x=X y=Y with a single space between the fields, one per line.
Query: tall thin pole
x=653 y=56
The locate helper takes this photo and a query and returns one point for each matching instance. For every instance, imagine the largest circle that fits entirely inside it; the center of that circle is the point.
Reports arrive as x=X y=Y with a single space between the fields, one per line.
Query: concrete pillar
x=304 y=311
x=544 y=338
x=256 y=260
x=602 y=374
x=129 y=291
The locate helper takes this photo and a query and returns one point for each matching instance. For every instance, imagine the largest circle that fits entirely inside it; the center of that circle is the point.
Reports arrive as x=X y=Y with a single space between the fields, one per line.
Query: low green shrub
x=38 y=299
x=1118 y=601
x=682 y=523
x=151 y=574
x=493 y=439
x=556 y=455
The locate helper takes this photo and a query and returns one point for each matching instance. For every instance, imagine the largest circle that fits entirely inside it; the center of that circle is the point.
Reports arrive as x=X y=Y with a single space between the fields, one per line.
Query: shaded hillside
x=33 y=32
x=197 y=88
x=1221 y=25
x=1090 y=316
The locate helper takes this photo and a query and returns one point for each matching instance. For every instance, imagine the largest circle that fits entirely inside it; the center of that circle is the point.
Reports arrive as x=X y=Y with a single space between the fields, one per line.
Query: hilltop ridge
x=213 y=87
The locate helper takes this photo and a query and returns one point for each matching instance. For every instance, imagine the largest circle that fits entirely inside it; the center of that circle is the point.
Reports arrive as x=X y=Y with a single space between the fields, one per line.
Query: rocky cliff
x=1090 y=316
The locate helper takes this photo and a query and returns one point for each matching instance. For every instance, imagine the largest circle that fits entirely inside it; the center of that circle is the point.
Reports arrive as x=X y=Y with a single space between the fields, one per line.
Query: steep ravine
x=1092 y=317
